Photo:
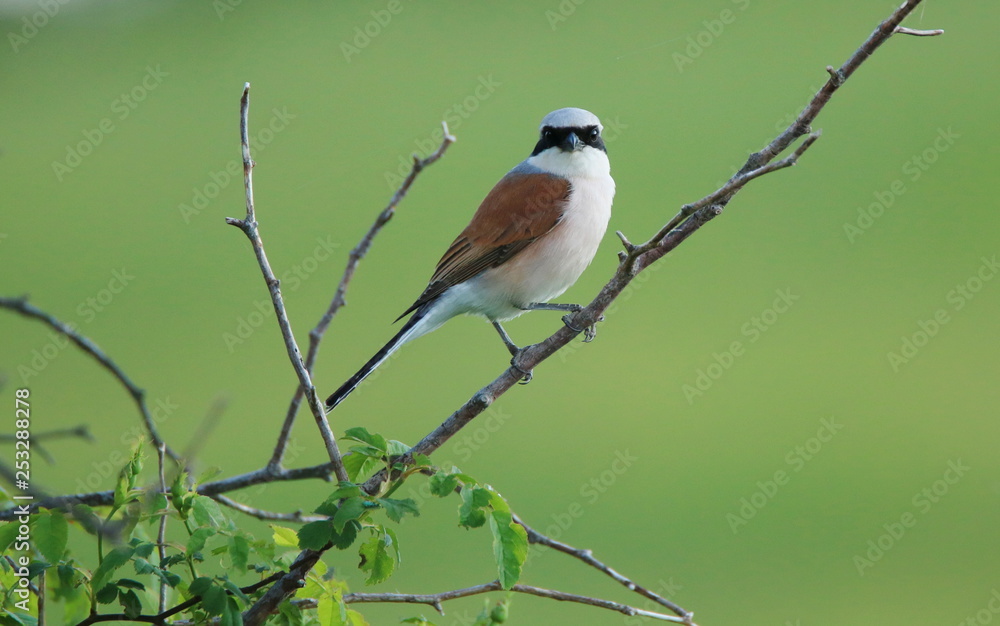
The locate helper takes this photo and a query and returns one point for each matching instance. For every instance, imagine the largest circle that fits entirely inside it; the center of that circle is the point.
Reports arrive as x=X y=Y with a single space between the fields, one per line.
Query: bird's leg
x=588 y=333
x=514 y=352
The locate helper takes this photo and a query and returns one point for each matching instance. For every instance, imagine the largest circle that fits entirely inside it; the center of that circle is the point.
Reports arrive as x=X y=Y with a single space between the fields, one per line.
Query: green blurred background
x=812 y=392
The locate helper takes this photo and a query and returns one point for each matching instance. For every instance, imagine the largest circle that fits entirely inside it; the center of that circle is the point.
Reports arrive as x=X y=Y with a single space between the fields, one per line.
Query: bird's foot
x=588 y=333
x=526 y=375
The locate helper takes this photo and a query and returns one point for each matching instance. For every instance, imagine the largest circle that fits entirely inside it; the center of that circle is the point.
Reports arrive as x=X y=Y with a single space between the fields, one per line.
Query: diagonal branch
x=297 y=516
x=22 y=306
x=634 y=261
x=250 y=228
x=358 y=253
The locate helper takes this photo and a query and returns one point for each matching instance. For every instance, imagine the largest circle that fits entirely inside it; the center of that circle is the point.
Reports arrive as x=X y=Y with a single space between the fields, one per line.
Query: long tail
x=407 y=332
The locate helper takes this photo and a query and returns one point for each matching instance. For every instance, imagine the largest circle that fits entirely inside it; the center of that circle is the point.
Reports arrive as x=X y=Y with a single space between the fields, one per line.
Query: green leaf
x=360 y=433
x=510 y=547
x=196 y=542
x=471 y=514
x=346 y=490
x=284 y=537
x=143 y=549
x=375 y=559
x=396 y=509
x=345 y=538
x=394 y=542
x=419 y=620
x=214 y=599
x=8 y=532
x=131 y=603
x=50 y=533
x=315 y=535
x=329 y=612
x=107 y=594
x=397 y=448
x=360 y=465
x=131 y=584
x=200 y=585
x=239 y=552
x=235 y=591
x=231 y=616
x=422 y=460
x=112 y=561
x=349 y=509
x=207 y=512
x=443 y=484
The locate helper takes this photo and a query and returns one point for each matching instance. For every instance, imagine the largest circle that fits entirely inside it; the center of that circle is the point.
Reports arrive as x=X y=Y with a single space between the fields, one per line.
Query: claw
x=526 y=376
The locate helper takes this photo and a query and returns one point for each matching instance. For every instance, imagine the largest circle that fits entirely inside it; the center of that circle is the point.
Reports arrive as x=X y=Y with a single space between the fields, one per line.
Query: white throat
x=587 y=163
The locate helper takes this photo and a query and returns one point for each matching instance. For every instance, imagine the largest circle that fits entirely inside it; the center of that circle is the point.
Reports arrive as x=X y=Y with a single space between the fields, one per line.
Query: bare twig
x=358 y=253
x=250 y=228
x=22 y=306
x=435 y=599
x=588 y=557
x=261 y=514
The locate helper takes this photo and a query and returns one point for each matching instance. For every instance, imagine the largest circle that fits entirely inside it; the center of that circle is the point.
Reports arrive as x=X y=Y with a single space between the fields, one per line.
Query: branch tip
x=902 y=30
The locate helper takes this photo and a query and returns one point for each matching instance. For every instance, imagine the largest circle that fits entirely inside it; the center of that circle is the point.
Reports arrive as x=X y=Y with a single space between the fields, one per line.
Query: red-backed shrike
x=530 y=240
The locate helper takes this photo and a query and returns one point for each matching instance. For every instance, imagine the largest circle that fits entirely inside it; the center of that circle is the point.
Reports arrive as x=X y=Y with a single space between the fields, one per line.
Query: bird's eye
x=594 y=133
x=547 y=134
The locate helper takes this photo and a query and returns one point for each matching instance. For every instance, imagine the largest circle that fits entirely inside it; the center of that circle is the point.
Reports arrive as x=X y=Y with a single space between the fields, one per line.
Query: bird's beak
x=572 y=143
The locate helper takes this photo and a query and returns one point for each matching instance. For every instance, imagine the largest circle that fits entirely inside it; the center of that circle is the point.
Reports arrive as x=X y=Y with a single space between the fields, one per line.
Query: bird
x=530 y=240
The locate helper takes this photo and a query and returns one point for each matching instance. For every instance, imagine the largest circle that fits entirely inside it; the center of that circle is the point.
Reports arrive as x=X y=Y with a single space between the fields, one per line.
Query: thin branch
x=633 y=262
x=250 y=228
x=160 y=618
x=436 y=599
x=233 y=483
x=161 y=533
x=588 y=557
x=358 y=253
x=261 y=514
x=22 y=306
